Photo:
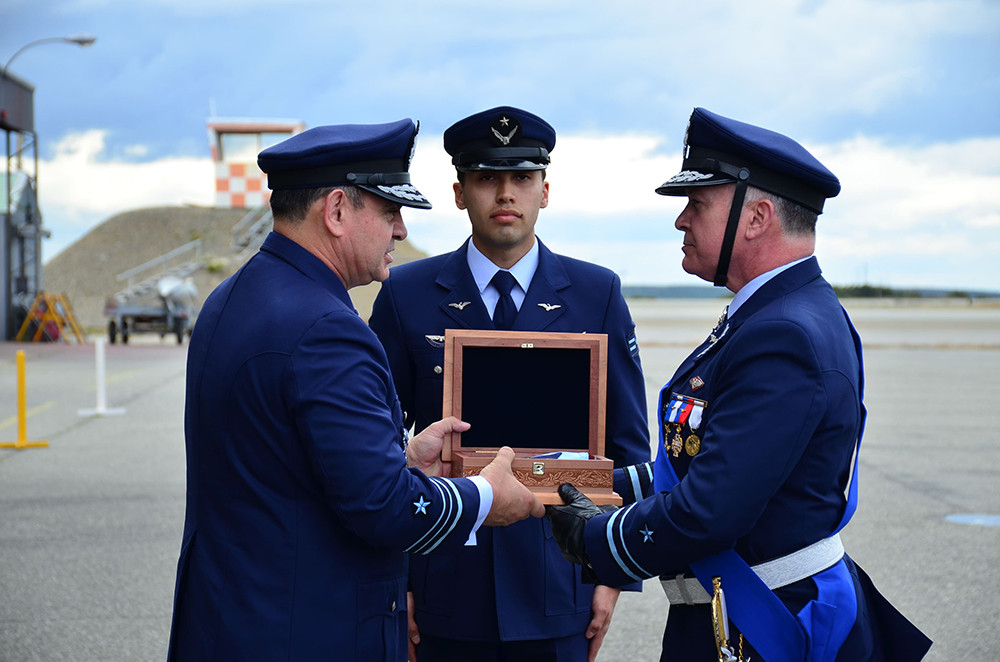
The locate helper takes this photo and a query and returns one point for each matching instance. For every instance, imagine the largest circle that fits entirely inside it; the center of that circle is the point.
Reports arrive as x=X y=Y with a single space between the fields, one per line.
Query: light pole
x=79 y=40
x=17 y=115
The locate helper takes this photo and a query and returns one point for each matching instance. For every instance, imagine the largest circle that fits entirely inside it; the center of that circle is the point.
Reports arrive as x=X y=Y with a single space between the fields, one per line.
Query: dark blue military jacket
x=514 y=584
x=776 y=414
x=300 y=506
x=781 y=413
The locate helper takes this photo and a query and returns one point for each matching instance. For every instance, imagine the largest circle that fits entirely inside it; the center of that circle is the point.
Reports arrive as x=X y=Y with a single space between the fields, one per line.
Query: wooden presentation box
x=539 y=393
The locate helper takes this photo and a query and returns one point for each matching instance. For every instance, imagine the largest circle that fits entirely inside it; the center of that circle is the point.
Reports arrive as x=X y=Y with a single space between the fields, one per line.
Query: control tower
x=235 y=143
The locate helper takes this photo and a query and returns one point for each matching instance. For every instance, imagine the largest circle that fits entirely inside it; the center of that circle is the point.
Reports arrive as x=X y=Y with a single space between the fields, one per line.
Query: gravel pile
x=85 y=272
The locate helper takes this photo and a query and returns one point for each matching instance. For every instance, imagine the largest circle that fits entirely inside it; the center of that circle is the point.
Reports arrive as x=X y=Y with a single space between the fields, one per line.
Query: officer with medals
x=513 y=596
x=759 y=432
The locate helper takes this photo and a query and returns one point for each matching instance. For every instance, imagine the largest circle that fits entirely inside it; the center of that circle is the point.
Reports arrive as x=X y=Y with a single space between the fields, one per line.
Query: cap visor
x=686 y=179
x=503 y=164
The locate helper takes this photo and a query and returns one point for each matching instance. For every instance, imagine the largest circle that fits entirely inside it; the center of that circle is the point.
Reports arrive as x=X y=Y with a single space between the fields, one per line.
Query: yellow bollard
x=22 y=416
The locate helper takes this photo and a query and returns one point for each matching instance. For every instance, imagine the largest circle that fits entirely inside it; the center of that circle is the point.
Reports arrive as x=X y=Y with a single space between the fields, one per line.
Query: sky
x=899 y=98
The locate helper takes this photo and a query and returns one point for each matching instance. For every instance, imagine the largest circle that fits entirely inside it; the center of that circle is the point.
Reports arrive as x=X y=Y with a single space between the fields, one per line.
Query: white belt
x=779 y=572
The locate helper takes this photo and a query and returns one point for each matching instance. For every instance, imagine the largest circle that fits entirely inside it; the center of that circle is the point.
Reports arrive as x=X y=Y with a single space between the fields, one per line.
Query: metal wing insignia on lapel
x=460 y=305
x=549 y=307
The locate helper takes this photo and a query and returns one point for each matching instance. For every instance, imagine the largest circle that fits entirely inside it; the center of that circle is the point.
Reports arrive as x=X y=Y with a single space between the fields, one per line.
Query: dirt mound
x=85 y=272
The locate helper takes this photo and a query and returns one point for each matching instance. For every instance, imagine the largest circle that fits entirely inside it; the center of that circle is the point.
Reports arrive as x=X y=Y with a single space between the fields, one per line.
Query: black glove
x=568 y=523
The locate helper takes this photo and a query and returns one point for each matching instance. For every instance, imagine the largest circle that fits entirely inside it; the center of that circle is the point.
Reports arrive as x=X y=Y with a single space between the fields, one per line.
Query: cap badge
x=504 y=128
x=413 y=149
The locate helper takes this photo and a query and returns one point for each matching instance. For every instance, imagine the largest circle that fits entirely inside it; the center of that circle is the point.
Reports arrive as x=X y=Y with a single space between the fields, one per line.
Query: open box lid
x=525 y=389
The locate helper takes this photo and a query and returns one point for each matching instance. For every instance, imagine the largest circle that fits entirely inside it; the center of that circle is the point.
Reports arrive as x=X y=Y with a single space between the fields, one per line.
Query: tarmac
x=90 y=526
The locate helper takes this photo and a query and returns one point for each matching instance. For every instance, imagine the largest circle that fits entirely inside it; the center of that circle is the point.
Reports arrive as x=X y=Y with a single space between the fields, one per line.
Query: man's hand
x=512 y=501
x=424 y=450
x=568 y=522
x=413 y=632
x=602 y=606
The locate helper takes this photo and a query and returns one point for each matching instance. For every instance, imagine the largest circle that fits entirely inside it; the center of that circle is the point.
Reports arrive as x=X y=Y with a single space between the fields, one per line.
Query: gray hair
x=796 y=220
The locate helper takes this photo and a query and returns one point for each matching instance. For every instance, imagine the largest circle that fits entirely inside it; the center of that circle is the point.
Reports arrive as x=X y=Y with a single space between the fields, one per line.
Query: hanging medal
x=676 y=442
x=681 y=410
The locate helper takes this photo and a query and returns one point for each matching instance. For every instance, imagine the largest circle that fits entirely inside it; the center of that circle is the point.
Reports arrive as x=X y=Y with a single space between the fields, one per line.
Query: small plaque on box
x=542 y=394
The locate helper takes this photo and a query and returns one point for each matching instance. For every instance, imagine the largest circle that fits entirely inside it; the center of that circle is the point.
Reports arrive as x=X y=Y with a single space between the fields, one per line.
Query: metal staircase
x=143 y=279
x=249 y=233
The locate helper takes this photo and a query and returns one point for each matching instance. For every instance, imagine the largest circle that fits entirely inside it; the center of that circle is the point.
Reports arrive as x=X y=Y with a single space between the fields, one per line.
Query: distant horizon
x=699 y=289
x=710 y=291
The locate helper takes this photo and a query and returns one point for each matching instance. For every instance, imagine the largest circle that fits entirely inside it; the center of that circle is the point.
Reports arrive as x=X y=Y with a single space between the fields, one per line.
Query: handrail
x=247 y=227
x=191 y=245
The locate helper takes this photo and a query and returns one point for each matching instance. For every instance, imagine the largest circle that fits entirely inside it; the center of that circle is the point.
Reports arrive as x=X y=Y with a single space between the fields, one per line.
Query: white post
x=102 y=401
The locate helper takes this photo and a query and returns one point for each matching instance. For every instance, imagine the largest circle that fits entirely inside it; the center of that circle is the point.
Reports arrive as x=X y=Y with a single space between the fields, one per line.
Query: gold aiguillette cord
x=720 y=625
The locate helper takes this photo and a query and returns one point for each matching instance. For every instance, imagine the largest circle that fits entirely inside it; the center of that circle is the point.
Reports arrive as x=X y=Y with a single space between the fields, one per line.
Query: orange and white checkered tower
x=235 y=143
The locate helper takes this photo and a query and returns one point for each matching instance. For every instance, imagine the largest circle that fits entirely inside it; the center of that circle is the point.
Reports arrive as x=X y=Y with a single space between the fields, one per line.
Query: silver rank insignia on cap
x=504 y=128
x=413 y=146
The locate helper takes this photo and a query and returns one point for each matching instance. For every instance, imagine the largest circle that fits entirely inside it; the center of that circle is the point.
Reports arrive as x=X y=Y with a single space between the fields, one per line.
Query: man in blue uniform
x=303 y=494
x=759 y=431
x=513 y=597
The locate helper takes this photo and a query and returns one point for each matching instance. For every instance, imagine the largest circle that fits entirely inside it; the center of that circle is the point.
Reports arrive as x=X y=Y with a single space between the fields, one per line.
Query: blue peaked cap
x=719 y=150
x=501 y=138
x=374 y=157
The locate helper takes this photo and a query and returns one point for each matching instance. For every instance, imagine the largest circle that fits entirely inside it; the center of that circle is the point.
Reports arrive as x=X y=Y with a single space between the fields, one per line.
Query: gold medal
x=676 y=443
x=692 y=445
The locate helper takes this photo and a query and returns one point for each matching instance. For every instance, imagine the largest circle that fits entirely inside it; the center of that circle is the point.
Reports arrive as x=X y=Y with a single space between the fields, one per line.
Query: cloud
x=910 y=215
x=904 y=211
x=895 y=189
x=78 y=188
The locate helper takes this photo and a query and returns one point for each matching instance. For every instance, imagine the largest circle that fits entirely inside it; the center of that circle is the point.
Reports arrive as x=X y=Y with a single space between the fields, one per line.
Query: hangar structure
x=22 y=231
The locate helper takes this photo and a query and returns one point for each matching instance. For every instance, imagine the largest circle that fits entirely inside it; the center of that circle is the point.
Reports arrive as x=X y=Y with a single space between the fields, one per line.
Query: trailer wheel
x=179 y=330
x=112 y=330
x=124 y=332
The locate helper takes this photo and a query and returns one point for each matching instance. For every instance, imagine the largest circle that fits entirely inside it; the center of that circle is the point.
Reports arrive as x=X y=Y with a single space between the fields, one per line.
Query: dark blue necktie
x=506 y=311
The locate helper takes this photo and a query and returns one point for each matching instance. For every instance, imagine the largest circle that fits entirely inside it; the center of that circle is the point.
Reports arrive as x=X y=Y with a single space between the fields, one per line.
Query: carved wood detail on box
x=581 y=478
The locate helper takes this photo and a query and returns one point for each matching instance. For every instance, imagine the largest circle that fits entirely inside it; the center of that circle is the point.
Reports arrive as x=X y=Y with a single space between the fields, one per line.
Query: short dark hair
x=796 y=220
x=292 y=205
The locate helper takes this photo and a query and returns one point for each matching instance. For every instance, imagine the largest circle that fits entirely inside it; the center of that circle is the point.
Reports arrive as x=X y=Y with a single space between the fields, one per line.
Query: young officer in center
x=513 y=596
